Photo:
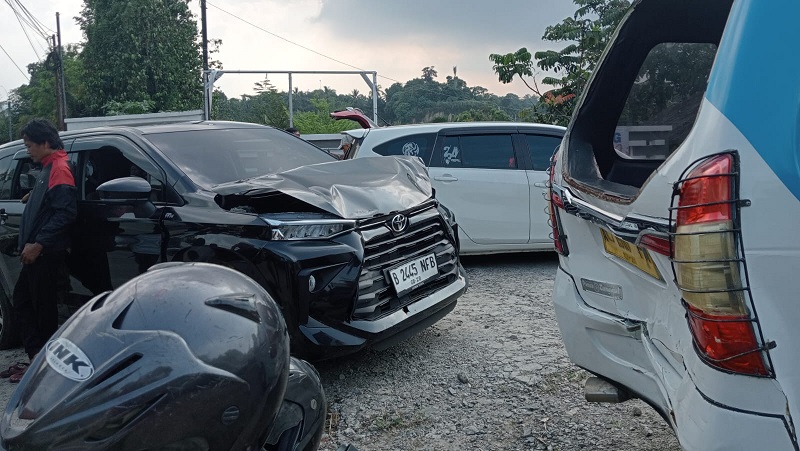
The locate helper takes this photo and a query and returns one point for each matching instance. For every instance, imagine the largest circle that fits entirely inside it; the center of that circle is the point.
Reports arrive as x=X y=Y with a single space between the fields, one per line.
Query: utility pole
x=204 y=31
x=8 y=113
x=60 y=80
x=57 y=70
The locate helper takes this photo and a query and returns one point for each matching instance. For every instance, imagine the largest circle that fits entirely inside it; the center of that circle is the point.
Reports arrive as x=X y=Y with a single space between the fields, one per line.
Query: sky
x=394 y=38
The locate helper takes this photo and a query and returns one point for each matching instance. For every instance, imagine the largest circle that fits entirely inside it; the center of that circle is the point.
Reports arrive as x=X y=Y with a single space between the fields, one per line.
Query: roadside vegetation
x=123 y=67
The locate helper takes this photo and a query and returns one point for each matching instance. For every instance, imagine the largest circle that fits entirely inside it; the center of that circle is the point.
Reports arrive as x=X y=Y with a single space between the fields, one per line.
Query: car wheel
x=8 y=329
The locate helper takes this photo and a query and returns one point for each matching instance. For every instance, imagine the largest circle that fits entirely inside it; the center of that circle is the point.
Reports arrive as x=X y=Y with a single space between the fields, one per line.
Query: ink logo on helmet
x=68 y=360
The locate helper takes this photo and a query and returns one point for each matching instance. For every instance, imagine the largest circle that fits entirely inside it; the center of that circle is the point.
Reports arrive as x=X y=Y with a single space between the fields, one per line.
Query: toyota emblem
x=398 y=223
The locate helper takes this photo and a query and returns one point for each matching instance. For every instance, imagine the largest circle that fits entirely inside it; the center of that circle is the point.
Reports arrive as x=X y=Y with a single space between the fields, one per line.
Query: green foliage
x=266 y=108
x=425 y=99
x=485 y=114
x=114 y=108
x=141 y=51
x=320 y=121
x=587 y=32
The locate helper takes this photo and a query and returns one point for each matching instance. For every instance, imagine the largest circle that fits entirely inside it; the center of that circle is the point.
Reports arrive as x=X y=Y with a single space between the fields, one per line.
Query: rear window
x=664 y=100
x=212 y=157
x=419 y=145
x=645 y=94
x=542 y=148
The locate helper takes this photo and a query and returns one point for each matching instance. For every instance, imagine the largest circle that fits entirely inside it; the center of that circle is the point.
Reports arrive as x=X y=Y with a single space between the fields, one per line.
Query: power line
x=15 y=63
x=295 y=43
x=30 y=19
x=309 y=49
x=26 y=34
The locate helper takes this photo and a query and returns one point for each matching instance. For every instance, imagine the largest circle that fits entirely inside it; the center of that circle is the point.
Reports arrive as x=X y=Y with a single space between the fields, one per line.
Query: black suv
x=357 y=253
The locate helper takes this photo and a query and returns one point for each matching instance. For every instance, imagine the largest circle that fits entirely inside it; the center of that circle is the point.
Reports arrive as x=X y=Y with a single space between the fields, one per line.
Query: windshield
x=211 y=157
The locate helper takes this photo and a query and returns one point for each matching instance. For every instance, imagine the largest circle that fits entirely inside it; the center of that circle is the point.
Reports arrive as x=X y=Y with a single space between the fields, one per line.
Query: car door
x=112 y=241
x=477 y=175
x=15 y=177
x=540 y=148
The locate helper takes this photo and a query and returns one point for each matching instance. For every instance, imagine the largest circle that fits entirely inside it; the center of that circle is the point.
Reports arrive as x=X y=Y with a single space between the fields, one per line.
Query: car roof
x=436 y=127
x=150 y=129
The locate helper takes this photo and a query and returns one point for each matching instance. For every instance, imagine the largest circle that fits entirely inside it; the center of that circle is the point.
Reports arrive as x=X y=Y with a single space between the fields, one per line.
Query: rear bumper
x=621 y=351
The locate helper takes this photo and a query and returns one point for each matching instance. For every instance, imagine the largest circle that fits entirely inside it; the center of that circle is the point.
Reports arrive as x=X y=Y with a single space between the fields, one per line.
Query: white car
x=675 y=204
x=492 y=175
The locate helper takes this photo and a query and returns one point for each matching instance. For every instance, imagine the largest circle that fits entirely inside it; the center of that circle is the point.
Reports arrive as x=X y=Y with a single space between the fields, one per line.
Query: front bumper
x=325 y=341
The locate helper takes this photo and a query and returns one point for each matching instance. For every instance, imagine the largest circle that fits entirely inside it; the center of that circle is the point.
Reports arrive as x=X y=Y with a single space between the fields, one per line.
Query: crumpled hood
x=352 y=189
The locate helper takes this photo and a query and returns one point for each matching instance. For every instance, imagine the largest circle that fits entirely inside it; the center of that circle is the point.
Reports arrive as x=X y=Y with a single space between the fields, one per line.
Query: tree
x=587 y=32
x=429 y=73
x=141 y=51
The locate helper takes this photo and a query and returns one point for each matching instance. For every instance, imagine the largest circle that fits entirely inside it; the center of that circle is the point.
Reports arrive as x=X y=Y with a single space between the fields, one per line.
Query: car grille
x=383 y=249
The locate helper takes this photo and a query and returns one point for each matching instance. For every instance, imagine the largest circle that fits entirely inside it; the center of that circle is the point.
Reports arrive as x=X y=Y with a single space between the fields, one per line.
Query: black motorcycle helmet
x=186 y=356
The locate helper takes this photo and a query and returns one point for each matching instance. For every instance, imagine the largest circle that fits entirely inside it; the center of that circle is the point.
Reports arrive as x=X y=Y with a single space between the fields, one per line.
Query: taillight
x=708 y=268
x=656 y=243
x=559 y=240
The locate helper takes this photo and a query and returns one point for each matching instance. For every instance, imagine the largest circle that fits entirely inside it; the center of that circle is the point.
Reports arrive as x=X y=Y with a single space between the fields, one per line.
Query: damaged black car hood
x=351 y=189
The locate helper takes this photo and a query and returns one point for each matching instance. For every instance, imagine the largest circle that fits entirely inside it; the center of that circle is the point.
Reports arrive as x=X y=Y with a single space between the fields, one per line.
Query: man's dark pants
x=35 y=300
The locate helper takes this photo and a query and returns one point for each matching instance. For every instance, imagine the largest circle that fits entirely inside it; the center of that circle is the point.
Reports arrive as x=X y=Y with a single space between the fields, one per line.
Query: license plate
x=630 y=253
x=413 y=273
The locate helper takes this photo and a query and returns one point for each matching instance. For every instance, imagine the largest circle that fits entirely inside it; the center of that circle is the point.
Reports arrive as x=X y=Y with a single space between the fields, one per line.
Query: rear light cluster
x=709 y=269
x=555 y=202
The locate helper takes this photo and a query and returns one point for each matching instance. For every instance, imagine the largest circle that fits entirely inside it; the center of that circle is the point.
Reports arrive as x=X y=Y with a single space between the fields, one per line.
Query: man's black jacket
x=52 y=206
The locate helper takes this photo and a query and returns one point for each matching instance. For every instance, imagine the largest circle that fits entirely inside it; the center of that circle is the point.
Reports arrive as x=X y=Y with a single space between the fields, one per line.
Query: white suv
x=492 y=175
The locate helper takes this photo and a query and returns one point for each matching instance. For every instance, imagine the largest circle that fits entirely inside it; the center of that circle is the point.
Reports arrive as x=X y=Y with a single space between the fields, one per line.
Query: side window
x=542 y=148
x=6 y=176
x=664 y=100
x=479 y=151
x=108 y=163
x=412 y=145
x=25 y=176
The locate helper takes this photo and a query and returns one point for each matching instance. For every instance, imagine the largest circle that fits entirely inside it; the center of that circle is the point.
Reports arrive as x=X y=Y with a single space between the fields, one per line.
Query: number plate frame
x=412 y=273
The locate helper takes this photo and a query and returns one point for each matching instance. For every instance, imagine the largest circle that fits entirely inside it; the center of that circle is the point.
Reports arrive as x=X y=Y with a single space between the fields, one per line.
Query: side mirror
x=131 y=191
x=125 y=189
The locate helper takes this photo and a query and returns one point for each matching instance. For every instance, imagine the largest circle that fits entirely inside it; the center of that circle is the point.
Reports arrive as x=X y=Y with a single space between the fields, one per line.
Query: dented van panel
x=698 y=257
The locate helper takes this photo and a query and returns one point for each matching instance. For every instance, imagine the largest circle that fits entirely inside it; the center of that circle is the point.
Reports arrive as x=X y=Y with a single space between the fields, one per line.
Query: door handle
x=3 y=216
x=446 y=178
x=540 y=185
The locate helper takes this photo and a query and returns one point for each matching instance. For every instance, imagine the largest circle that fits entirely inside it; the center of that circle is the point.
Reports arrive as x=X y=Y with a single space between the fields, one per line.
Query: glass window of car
x=542 y=148
x=412 y=145
x=109 y=163
x=494 y=151
x=664 y=100
x=25 y=176
x=6 y=176
x=212 y=157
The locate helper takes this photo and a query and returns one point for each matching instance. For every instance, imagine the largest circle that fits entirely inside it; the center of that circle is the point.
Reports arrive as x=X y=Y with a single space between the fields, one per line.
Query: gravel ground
x=492 y=375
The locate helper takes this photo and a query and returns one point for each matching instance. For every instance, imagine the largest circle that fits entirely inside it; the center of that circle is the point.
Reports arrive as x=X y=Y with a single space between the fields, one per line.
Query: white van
x=678 y=243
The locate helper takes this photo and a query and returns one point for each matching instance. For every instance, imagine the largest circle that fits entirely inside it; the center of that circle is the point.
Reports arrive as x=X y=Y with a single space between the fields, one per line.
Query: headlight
x=448 y=214
x=303 y=226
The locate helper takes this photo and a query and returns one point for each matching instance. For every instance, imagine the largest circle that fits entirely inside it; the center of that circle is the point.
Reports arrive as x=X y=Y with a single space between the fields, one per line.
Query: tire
x=8 y=328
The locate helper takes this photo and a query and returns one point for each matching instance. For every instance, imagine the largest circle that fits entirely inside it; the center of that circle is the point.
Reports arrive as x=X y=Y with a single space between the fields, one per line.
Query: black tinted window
x=6 y=175
x=413 y=145
x=542 y=148
x=479 y=151
x=27 y=172
x=211 y=157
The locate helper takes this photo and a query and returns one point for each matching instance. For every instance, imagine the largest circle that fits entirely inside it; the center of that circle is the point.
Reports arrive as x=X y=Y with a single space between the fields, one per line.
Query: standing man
x=49 y=211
